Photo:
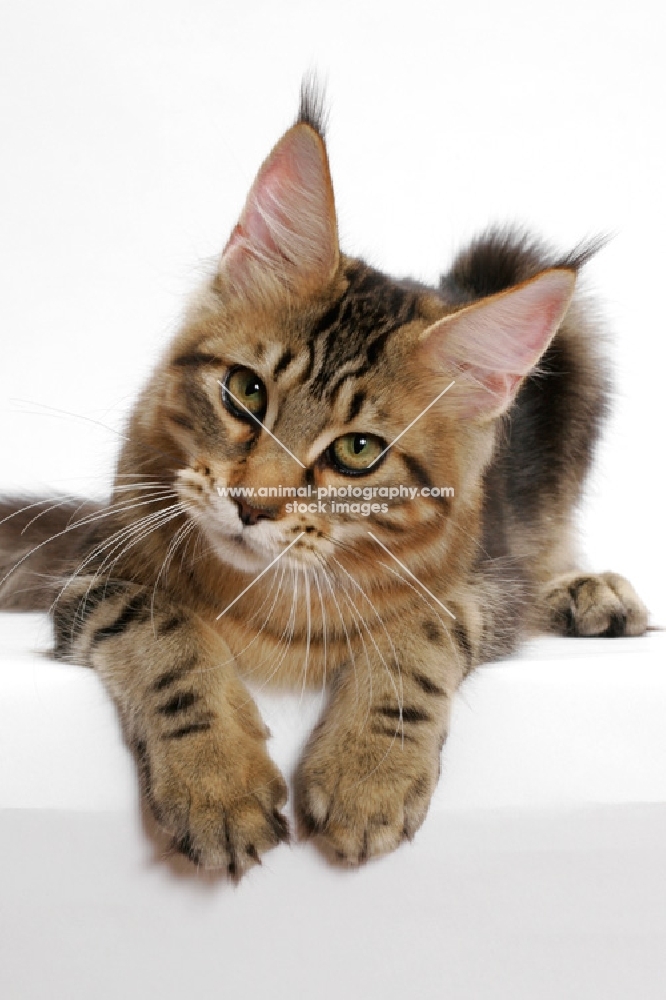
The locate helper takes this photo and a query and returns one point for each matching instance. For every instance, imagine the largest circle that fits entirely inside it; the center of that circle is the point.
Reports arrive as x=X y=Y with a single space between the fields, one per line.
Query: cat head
x=301 y=370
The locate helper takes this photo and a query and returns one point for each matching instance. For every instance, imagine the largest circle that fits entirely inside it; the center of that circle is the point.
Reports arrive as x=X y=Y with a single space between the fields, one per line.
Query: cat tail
x=41 y=543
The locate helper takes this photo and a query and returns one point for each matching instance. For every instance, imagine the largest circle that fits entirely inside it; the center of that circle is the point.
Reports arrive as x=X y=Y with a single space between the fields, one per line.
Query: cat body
x=471 y=410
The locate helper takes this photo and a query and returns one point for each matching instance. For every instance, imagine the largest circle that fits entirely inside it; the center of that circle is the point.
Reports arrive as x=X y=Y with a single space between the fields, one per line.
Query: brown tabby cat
x=299 y=366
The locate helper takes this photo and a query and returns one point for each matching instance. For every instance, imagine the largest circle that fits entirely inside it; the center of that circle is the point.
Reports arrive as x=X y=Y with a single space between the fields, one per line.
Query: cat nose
x=252 y=515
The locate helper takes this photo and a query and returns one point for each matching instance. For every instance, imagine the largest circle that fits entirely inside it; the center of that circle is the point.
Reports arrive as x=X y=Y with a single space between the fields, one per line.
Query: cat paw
x=603 y=604
x=221 y=810
x=362 y=802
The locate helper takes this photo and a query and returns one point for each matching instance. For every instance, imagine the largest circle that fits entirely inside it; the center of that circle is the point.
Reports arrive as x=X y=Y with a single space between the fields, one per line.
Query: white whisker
x=398 y=692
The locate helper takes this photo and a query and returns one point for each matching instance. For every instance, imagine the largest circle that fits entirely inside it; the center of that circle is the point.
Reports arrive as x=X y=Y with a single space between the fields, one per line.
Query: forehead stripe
x=357 y=401
x=283 y=362
x=358 y=324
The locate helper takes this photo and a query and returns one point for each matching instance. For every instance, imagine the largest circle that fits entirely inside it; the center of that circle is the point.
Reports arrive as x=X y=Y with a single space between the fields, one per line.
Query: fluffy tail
x=41 y=541
x=501 y=258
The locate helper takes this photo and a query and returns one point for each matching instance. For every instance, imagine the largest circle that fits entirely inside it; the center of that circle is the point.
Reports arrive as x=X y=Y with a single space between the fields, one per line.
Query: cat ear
x=490 y=346
x=287 y=230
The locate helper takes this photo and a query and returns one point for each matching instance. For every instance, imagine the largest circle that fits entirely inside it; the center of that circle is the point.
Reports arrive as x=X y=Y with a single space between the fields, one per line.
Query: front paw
x=220 y=804
x=363 y=794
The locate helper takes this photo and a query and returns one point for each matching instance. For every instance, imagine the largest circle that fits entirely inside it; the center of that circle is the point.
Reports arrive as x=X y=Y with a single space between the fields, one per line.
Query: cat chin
x=232 y=551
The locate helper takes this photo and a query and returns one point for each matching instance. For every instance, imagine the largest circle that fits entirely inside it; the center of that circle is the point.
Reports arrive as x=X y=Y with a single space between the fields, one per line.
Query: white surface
x=540 y=870
x=131 y=130
x=569 y=723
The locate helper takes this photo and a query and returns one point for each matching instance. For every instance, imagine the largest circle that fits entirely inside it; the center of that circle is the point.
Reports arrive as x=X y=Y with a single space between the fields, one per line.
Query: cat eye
x=355 y=453
x=246 y=387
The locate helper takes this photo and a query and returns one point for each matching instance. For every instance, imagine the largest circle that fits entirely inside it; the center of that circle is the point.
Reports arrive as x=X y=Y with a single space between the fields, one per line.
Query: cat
x=473 y=407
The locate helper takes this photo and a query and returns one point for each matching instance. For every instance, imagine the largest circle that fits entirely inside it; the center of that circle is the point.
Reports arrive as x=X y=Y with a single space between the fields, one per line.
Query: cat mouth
x=253 y=548
x=289 y=549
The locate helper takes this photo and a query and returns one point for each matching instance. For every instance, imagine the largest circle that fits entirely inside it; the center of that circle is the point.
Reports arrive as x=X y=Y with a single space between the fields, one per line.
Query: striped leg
x=197 y=735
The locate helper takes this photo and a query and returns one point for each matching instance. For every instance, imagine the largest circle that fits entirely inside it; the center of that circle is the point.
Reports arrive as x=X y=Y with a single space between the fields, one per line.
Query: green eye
x=355 y=452
x=244 y=388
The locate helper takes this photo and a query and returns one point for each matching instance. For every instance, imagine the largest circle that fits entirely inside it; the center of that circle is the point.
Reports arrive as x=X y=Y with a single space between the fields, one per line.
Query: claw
x=185 y=847
x=311 y=826
x=254 y=854
x=280 y=826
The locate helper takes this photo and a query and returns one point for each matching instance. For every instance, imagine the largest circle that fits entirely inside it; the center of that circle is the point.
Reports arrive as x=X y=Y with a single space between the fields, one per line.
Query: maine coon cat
x=470 y=409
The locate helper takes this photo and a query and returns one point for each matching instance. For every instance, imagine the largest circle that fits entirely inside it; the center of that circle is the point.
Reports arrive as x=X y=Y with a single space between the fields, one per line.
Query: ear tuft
x=312 y=108
x=491 y=345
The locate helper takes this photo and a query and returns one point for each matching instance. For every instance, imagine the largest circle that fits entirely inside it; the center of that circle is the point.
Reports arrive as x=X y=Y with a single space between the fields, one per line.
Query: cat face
x=309 y=402
x=352 y=409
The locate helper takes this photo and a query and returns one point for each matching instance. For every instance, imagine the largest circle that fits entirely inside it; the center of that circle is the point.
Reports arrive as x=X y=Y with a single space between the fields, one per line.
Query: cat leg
x=592 y=604
x=197 y=735
x=372 y=763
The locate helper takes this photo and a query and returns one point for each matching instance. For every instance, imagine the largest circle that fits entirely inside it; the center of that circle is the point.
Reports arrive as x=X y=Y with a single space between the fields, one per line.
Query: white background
x=130 y=134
